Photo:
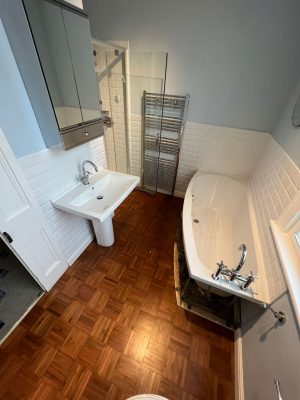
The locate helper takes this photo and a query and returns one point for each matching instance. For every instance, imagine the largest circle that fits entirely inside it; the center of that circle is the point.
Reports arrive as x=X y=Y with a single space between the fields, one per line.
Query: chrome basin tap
x=85 y=174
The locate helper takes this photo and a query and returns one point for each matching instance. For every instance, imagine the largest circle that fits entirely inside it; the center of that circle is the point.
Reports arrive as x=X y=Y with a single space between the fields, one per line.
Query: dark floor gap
x=18 y=290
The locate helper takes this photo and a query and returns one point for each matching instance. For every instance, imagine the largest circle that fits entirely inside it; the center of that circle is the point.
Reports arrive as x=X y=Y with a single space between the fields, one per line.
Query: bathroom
x=239 y=62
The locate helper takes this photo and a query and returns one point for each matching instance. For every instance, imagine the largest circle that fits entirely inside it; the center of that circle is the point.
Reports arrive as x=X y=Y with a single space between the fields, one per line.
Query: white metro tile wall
x=213 y=149
x=50 y=172
x=116 y=95
x=110 y=148
x=135 y=144
x=216 y=149
x=274 y=183
x=105 y=100
x=112 y=97
x=118 y=116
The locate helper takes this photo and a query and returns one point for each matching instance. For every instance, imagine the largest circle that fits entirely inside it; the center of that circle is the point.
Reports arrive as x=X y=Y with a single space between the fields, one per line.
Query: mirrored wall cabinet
x=61 y=34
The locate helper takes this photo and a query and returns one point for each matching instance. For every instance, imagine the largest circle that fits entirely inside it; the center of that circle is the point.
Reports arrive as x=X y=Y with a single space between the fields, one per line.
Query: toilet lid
x=147 y=397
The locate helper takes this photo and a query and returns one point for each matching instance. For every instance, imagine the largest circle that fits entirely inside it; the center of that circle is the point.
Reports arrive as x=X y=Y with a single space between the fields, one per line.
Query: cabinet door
x=22 y=225
x=48 y=30
x=79 y=40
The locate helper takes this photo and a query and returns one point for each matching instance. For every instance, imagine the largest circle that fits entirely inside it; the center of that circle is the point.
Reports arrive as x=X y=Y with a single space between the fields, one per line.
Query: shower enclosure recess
x=123 y=76
x=109 y=60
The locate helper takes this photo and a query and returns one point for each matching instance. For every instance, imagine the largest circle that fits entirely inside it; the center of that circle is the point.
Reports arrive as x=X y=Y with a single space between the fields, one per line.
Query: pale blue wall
x=17 y=118
x=287 y=135
x=238 y=59
x=270 y=351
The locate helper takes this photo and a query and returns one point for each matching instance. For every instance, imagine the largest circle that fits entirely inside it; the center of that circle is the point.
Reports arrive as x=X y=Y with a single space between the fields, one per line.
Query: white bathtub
x=223 y=207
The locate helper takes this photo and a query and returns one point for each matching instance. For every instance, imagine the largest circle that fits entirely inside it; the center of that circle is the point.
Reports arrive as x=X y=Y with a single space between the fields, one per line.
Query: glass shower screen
x=123 y=77
x=147 y=73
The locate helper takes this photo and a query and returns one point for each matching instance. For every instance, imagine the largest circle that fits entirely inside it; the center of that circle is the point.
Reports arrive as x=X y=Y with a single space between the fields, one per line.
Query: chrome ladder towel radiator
x=164 y=119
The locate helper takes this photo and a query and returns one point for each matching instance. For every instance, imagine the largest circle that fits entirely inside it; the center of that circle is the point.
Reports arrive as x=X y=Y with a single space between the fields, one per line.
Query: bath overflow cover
x=99 y=197
x=196 y=220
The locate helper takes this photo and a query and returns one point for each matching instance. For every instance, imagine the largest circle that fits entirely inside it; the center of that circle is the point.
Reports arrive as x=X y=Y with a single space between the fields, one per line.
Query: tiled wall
x=105 y=98
x=50 y=172
x=274 y=183
x=135 y=144
x=112 y=97
x=118 y=116
x=247 y=155
x=217 y=149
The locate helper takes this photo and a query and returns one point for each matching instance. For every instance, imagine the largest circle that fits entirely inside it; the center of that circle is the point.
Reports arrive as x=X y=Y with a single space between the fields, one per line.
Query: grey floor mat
x=18 y=290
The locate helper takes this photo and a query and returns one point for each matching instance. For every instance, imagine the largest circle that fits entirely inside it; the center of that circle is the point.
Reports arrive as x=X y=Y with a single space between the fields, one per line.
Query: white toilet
x=147 y=397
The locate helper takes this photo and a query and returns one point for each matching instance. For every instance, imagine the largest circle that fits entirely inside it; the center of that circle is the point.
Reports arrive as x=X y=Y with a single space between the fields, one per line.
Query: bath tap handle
x=249 y=279
x=221 y=266
x=254 y=276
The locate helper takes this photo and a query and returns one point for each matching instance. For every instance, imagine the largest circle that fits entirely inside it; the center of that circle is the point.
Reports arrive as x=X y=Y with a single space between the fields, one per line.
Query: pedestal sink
x=98 y=200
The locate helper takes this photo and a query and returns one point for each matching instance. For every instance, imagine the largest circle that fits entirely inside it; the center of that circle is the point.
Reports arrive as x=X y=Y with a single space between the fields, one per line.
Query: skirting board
x=80 y=250
x=238 y=365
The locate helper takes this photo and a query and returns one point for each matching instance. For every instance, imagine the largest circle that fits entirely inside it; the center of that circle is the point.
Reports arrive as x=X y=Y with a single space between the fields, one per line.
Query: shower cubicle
x=146 y=127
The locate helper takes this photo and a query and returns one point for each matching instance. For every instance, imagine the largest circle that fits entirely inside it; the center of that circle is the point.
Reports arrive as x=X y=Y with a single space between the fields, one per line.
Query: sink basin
x=98 y=200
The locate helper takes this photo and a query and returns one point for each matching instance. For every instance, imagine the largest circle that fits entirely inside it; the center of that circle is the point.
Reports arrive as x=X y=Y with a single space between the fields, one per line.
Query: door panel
x=42 y=251
x=14 y=202
x=22 y=219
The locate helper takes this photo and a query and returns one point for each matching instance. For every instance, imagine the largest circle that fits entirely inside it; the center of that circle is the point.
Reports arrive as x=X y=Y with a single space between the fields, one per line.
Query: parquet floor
x=110 y=327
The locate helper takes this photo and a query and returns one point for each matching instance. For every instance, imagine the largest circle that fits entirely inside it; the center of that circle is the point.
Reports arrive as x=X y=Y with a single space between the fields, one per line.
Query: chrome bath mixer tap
x=234 y=274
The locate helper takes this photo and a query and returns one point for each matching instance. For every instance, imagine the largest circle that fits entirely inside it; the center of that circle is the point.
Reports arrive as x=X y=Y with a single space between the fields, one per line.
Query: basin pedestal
x=104 y=231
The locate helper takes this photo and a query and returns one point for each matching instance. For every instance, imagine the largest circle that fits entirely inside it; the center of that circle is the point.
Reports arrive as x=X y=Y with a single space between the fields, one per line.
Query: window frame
x=284 y=231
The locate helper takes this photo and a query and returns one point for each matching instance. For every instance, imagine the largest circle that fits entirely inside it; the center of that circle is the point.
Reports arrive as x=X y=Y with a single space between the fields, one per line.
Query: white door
x=22 y=225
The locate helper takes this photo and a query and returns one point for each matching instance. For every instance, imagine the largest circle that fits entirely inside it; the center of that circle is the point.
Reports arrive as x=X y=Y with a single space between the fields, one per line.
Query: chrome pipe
x=277 y=384
x=242 y=248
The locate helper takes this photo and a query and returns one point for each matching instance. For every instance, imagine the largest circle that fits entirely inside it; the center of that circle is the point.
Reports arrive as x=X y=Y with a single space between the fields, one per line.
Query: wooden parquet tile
x=155 y=357
x=175 y=368
x=119 y=337
x=89 y=353
x=110 y=327
x=107 y=362
x=57 y=372
x=137 y=346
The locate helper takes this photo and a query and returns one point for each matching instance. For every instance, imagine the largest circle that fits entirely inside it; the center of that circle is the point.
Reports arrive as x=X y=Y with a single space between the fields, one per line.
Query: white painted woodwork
x=22 y=219
x=284 y=230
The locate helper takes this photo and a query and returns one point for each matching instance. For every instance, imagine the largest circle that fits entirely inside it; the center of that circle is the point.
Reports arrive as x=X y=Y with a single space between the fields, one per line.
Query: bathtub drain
x=99 y=197
x=196 y=220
